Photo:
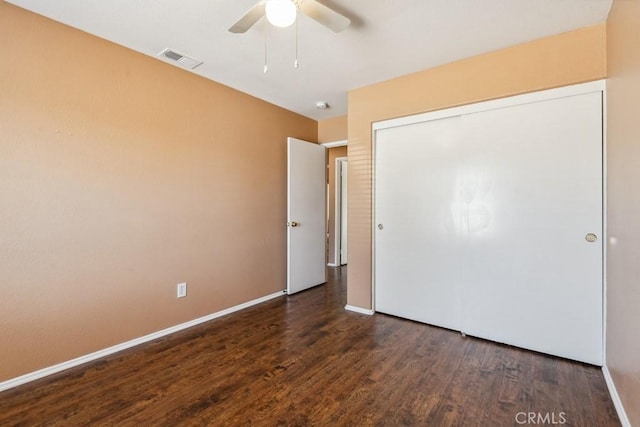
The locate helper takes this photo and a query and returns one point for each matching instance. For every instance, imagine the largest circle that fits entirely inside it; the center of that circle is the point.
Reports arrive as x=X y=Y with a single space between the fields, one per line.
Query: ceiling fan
x=282 y=13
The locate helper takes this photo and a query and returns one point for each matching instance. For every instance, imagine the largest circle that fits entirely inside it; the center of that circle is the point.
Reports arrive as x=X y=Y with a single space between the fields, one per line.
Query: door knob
x=293 y=224
x=590 y=237
x=380 y=226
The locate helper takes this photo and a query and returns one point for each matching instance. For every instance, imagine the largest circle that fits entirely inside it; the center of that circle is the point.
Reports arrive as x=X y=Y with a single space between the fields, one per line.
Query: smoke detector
x=179 y=59
x=322 y=105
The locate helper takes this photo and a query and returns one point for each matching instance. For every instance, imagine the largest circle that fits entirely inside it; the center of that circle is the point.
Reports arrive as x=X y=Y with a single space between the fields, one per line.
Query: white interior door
x=343 y=211
x=306 y=215
x=485 y=223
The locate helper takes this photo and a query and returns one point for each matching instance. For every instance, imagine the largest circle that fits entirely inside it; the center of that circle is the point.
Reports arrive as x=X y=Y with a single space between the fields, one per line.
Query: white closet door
x=533 y=187
x=415 y=234
x=483 y=221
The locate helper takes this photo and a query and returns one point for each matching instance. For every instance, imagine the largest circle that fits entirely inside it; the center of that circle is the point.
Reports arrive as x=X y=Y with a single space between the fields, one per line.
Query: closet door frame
x=598 y=86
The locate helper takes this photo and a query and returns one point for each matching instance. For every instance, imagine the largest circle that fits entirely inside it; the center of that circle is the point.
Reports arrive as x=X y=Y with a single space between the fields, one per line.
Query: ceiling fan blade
x=324 y=15
x=249 y=19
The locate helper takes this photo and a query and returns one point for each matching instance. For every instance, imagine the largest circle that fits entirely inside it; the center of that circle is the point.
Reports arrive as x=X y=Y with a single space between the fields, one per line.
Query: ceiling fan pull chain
x=295 y=63
x=266 y=67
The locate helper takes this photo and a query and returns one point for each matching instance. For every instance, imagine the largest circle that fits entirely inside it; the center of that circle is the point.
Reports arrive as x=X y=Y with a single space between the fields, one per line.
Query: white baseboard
x=359 y=310
x=36 y=375
x=622 y=414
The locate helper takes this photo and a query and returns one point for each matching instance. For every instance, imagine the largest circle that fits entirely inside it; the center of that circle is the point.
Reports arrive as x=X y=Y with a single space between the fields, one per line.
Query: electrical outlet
x=182 y=290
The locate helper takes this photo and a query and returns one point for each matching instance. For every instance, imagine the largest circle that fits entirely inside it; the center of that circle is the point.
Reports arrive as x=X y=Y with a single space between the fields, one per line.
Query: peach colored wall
x=121 y=176
x=333 y=154
x=572 y=57
x=623 y=197
x=334 y=129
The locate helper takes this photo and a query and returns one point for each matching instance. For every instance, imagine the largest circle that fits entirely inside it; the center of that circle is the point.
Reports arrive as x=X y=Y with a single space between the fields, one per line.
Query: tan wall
x=334 y=129
x=121 y=176
x=623 y=196
x=573 y=57
x=333 y=154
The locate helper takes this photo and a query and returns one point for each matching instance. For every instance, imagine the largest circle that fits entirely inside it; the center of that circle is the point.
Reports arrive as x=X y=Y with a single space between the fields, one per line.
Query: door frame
x=341 y=162
x=335 y=261
x=508 y=101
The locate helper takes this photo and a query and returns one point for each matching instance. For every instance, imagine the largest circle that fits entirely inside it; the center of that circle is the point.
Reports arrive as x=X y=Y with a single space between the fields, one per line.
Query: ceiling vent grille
x=180 y=59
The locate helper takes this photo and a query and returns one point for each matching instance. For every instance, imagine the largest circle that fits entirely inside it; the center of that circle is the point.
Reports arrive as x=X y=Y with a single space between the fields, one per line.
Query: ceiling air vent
x=180 y=59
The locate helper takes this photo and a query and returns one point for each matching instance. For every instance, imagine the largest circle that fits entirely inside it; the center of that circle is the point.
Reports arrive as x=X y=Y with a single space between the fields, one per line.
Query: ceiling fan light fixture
x=281 y=13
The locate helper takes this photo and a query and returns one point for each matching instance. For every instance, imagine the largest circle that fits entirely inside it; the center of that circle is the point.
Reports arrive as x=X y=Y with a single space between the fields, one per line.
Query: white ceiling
x=387 y=39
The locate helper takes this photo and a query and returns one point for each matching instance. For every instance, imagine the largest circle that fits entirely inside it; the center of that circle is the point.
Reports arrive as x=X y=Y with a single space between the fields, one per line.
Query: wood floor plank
x=303 y=360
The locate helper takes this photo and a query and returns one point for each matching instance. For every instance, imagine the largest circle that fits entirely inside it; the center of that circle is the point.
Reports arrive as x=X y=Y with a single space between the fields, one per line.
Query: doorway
x=336 y=208
x=341 y=211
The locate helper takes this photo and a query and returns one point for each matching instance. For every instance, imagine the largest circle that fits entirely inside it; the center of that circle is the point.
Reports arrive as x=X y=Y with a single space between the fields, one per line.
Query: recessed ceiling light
x=321 y=105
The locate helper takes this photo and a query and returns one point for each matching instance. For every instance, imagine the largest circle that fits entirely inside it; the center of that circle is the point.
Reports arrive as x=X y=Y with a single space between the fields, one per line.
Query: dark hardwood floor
x=304 y=360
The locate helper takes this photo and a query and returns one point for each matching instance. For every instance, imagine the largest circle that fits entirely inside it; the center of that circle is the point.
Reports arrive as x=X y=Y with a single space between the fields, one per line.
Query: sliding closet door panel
x=532 y=200
x=415 y=231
